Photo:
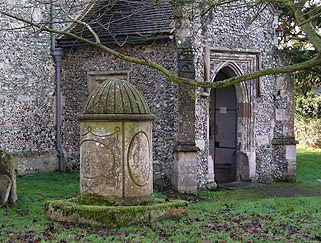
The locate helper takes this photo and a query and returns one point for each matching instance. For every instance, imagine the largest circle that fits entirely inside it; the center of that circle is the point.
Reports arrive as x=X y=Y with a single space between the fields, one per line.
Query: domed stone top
x=116 y=100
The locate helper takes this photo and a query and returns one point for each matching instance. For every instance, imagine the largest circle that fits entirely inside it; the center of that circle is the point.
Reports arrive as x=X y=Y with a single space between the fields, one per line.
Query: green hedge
x=307 y=121
x=308 y=107
x=308 y=132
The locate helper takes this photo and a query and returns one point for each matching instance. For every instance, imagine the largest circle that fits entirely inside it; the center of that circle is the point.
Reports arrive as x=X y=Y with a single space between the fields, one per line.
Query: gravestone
x=8 y=193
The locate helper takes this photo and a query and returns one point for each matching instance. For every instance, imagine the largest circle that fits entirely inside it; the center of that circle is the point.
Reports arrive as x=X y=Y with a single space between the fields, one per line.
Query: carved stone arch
x=235 y=63
x=231 y=68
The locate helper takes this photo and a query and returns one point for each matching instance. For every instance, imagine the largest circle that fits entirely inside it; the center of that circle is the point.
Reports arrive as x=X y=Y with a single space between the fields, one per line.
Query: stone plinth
x=290 y=156
x=185 y=171
x=285 y=148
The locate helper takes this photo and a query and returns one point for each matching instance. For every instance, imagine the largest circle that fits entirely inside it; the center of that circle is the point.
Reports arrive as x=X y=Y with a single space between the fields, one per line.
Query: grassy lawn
x=309 y=165
x=271 y=213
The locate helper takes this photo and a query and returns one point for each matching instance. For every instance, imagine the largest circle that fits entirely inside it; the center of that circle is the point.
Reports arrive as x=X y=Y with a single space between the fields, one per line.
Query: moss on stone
x=94 y=199
x=7 y=160
x=72 y=211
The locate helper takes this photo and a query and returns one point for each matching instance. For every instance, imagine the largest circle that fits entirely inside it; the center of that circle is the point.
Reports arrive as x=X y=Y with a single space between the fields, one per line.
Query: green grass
x=279 y=212
x=27 y=214
x=309 y=165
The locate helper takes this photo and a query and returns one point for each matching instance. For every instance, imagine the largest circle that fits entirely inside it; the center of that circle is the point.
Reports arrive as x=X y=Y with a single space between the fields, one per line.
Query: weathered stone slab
x=8 y=193
x=34 y=162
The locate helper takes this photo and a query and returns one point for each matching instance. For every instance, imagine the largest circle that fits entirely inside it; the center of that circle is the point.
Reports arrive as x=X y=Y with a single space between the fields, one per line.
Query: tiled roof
x=124 y=21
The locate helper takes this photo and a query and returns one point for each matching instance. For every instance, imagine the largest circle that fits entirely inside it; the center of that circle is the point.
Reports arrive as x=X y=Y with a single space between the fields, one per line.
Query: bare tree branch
x=305 y=23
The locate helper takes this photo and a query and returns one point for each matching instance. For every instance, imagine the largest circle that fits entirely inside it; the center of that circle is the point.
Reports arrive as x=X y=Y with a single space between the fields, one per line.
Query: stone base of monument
x=95 y=210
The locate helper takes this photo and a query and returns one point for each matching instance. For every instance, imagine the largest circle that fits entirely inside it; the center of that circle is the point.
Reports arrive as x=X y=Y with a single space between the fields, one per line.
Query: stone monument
x=116 y=175
x=8 y=194
x=116 y=144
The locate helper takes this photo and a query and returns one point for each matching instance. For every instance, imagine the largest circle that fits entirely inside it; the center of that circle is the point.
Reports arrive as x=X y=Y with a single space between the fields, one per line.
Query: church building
x=201 y=137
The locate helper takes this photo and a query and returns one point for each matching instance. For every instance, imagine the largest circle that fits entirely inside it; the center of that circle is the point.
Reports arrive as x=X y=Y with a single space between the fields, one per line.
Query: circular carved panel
x=138 y=160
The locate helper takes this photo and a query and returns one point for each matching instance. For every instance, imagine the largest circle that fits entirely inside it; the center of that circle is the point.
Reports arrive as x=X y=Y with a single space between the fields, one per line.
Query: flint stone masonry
x=26 y=87
x=160 y=95
x=235 y=35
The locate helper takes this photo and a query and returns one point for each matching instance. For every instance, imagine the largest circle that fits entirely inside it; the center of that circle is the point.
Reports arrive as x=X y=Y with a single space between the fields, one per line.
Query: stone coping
x=33 y=152
x=284 y=141
x=187 y=148
x=70 y=211
x=116 y=117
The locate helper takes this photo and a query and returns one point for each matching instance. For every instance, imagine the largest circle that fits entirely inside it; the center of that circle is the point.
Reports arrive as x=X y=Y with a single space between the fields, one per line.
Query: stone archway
x=223 y=130
x=234 y=63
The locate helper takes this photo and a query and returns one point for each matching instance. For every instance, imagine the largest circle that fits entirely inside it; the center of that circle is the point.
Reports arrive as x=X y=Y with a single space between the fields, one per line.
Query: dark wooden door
x=224 y=108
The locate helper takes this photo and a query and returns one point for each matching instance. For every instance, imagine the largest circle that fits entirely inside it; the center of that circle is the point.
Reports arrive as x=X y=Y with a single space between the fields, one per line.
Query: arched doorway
x=223 y=130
